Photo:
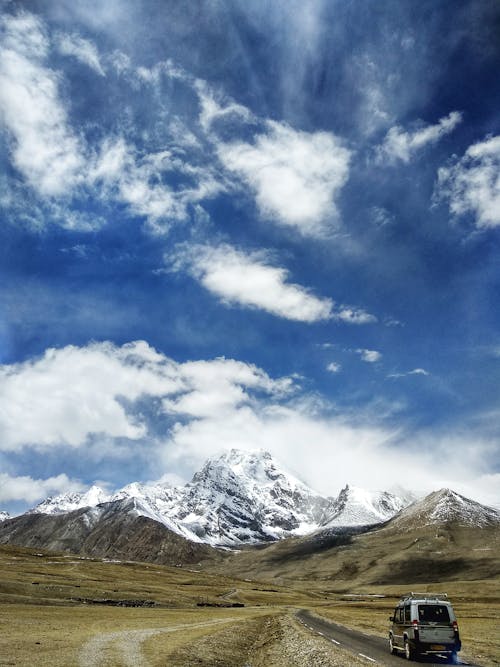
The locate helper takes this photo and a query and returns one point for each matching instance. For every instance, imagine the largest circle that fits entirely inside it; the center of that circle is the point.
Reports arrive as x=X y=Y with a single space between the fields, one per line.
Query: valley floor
x=65 y=611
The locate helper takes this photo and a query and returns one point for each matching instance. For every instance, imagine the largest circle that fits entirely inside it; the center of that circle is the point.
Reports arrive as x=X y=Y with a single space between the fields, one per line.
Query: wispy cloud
x=296 y=176
x=400 y=145
x=250 y=280
x=44 y=150
x=82 y=49
x=415 y=371
x=472 y=183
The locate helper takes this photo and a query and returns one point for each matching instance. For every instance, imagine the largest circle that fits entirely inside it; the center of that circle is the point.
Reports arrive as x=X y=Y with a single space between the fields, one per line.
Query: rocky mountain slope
x=116 y=530
x=4 y=516
x=446 y=507
x=240 y=498
x=359 y=507
x=443 y=537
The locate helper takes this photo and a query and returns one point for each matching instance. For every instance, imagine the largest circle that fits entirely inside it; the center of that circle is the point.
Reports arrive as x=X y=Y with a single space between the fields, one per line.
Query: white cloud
x=472 y=183
x=400 y=145
x=250 y=280
x=213 y=110
x=354 y=315
x=358 y=452
x=82 y=49
x=73 y=392
x=218 y=387
x=138 y=181
x=370 y=356
x=217 y=404
x=44 y=148
x=415 y=371
x=296 y=176
x=29 y=490
x=334 y=367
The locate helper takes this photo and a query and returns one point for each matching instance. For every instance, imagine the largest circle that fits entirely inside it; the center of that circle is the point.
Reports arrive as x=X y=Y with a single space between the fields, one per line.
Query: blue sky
x=250 y=224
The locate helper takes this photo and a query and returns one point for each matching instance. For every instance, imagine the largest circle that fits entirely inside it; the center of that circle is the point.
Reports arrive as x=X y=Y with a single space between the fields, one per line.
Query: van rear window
x=433 y=613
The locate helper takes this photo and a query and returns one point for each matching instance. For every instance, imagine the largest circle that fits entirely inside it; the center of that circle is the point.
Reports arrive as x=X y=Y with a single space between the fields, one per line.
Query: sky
x=251 y=224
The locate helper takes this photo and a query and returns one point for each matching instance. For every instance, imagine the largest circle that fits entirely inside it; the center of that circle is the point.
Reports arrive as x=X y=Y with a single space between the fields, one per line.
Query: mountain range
x=239 y=498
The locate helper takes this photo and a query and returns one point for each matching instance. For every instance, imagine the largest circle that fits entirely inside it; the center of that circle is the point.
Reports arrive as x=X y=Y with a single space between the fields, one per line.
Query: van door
x=398 y=626
x=435 y=626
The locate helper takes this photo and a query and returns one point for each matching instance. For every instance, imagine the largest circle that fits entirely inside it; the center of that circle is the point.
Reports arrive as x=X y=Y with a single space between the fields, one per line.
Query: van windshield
x=433 y=613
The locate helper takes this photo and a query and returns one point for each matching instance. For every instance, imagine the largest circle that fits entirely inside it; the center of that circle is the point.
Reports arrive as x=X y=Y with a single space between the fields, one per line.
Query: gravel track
x=99 y=651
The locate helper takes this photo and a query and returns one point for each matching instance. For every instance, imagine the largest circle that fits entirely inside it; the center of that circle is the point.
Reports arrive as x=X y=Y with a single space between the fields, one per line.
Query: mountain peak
x=67 y=502
x=446 y=506
x=358 y=507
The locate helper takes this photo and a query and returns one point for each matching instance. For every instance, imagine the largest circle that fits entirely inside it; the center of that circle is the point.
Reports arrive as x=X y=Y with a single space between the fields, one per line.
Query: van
x=425 y=624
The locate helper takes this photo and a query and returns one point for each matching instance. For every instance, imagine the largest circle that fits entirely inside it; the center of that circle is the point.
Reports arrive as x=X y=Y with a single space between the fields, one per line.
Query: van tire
x=410 y=653
x=453 y=658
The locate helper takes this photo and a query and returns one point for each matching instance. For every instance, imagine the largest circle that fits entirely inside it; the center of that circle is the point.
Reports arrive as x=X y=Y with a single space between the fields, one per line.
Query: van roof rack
x=424 y=596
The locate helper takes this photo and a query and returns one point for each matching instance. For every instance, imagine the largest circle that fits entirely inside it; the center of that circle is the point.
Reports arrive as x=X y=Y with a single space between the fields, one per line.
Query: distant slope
x=445 y=507
x=440 y=538
x=115 y=530
x=4 y=516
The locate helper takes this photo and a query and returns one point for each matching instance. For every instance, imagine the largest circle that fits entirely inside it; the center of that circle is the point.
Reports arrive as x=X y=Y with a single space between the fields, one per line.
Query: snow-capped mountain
x=359 y=507
x=447 y=507
x=68 y=502
x=244 y=497
x=4 y=516
x=239 y=498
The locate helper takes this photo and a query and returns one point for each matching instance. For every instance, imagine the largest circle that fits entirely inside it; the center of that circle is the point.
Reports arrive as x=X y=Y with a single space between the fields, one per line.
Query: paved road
x=372 y=649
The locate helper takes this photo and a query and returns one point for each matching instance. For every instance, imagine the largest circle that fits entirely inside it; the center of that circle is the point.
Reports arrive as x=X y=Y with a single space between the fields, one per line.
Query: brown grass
x=52 y=613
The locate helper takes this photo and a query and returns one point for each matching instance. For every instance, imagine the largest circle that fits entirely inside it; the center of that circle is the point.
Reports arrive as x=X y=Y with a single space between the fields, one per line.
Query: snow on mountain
x=238 y=498
x=244 y=497
x=447 y=506
x=67 y=502
x=4 y=516
x=359 y=507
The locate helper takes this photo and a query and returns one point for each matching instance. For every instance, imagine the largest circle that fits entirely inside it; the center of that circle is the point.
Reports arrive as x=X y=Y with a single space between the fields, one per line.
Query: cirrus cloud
x=400 y=145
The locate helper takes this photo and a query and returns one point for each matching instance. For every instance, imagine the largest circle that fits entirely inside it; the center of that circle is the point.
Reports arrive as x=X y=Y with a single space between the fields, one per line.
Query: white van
x=425 y=623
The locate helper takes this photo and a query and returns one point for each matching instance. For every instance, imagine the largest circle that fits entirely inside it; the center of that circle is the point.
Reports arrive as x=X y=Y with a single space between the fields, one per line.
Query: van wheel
x=409 y=651
x=453 y=658
x=392 y=650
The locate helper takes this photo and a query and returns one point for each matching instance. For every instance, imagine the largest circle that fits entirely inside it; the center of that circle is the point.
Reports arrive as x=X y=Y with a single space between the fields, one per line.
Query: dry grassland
x=60 y=611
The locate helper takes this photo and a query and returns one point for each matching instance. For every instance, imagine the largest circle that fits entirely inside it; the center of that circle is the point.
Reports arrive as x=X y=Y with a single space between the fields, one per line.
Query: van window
x=433 y=613
x=407 y=613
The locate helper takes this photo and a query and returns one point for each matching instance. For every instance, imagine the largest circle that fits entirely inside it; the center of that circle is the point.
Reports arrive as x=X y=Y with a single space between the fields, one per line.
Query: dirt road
x=128 y=644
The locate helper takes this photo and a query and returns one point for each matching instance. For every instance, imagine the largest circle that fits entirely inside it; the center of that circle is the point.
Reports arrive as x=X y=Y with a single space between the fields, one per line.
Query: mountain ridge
x=240 y=498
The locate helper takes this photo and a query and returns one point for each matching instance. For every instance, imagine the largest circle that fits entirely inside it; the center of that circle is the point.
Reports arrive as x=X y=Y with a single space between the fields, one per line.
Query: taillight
x=415 y=623
x=455 y=626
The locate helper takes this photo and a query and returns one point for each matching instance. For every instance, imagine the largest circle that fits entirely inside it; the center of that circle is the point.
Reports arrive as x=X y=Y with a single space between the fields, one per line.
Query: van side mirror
x=391 y=618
